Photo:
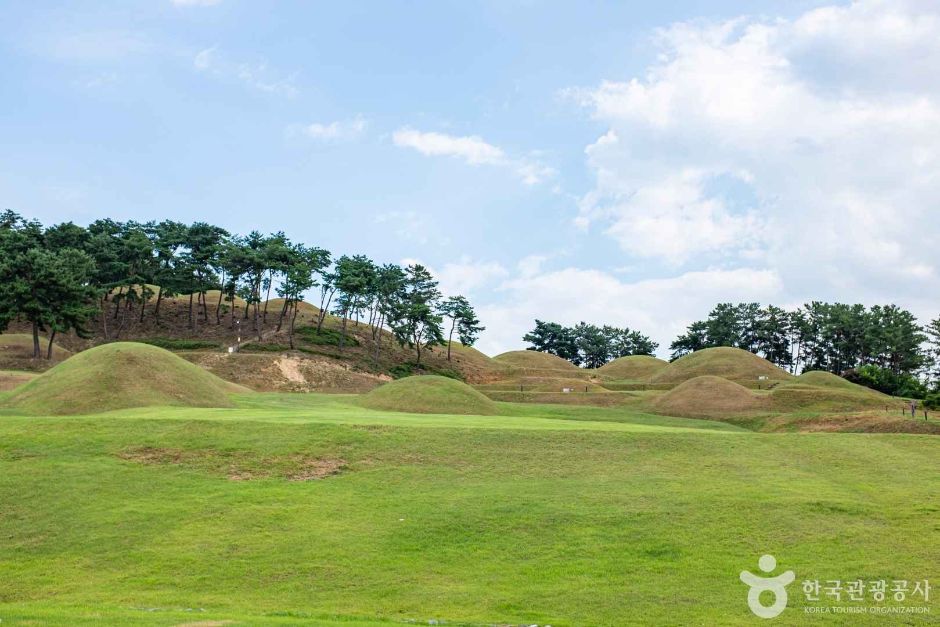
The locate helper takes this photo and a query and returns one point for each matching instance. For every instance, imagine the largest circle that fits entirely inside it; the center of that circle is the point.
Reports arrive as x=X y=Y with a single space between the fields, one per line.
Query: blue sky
x=625 y=163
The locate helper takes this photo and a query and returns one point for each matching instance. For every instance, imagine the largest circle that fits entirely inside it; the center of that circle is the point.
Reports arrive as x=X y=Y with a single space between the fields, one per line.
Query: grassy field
x=292 y=509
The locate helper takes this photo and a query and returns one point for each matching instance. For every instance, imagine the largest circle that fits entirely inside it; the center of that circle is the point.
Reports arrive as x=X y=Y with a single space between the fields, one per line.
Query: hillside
x=318 y=362
x=118 y=376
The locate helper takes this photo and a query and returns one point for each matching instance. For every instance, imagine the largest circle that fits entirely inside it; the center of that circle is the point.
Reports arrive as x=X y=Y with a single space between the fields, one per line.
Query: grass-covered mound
x=826 y=392
x=821 y=378
x=707 y=396
x=633 y=368
x=118 y=376
x=733 y=364
x=429 y=394
x=535 y=359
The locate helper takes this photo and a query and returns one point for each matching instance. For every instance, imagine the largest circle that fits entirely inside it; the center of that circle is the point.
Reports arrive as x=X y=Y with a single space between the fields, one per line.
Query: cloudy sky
x=598 y=161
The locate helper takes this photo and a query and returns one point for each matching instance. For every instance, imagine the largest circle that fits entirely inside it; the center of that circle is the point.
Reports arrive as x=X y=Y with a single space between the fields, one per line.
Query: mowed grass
x=544 y=514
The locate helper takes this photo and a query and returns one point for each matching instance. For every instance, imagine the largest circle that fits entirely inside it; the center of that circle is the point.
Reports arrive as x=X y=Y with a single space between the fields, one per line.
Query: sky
x=620 y=163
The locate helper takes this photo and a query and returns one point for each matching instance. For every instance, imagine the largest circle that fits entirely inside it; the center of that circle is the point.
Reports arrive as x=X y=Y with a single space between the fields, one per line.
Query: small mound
x=824 y=391
x=820 y=378
x=535 y=359
x=733 y=364
x=119 y=376
x=633 y=368
x=707 y=396
x=429 y=394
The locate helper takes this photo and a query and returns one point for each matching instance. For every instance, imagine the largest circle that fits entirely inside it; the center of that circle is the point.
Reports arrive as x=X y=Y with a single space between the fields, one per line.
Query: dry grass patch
x=238 y=465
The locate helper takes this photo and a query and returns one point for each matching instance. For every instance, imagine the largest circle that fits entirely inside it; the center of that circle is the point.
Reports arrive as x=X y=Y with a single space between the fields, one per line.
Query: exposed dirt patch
x=239 y=466
x=290 y=369
x=286 y=373
x=310 y=469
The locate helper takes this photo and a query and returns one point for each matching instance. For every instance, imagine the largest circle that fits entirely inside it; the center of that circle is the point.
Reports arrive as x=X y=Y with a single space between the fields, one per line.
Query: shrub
x=886 y=381
x=265 y=348
x=324 y=337
x=932 y=401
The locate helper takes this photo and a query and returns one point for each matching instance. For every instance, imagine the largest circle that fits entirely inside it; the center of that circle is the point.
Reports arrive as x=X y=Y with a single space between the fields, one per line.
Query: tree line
x=68 y=277
x=586 y=344
x=883 y=347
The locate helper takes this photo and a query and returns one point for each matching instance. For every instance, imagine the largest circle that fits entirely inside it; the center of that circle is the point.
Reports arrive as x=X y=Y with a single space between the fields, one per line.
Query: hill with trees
x=883 y=347
x=198 y=286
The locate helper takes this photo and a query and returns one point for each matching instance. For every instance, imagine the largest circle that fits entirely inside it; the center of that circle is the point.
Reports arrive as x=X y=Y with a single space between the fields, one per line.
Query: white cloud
x=531 y=265
x=473 y=150
x=337 y=130
x=807 y=144
x=203 y=59
x=255 y=75
x=466 y=276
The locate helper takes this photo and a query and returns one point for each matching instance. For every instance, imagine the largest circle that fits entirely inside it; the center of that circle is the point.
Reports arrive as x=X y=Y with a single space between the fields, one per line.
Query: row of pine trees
x=68 y=278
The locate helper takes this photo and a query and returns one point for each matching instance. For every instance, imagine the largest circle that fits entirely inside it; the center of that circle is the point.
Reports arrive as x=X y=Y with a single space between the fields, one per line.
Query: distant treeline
x=883 y=347
x=588 y=345
x=68 y=277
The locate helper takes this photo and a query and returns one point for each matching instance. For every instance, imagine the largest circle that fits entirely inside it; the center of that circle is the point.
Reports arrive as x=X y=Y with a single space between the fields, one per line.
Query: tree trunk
x=143 y=308
x=450 y=338
x=205 y=308
x=191 y=325
x=36 y=351
x=378 y=340
x=257 y=308
x=293 y=319
x=156 y=311
x=324 y=310
x=267 y=298
x=104 y=318
x=280 y=320
x=49 y=348
x=342 y=338
x=218 y=308
x=117 y=301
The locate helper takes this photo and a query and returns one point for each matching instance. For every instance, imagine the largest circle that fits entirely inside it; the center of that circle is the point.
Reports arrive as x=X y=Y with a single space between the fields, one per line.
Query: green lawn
x=545 y=514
